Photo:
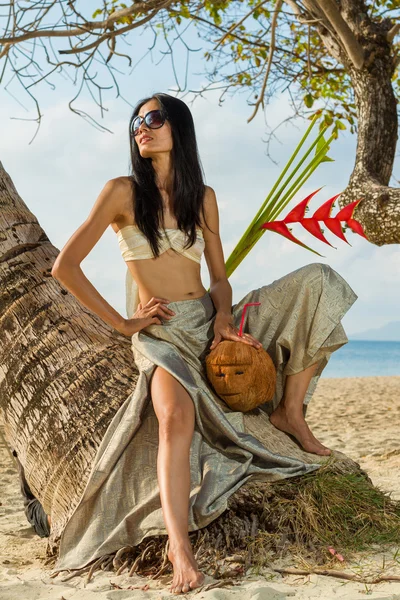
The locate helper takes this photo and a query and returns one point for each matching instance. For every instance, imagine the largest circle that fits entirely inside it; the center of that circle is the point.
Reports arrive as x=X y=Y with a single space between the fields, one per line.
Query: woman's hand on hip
x=149 y=314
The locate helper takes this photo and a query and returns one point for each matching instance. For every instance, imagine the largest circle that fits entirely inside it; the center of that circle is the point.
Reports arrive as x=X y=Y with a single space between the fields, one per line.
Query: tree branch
x=112 y=34
x=260 y=100
x=89 y=26
x=393 y=32
x=294 y=6
x=235 y=25
x=347 y=37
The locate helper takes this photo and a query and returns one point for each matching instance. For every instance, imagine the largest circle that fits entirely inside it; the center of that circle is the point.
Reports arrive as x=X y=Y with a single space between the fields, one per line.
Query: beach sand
x=359 y=416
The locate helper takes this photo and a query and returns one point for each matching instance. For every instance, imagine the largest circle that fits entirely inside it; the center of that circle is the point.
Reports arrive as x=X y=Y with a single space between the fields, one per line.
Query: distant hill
x=387 y=333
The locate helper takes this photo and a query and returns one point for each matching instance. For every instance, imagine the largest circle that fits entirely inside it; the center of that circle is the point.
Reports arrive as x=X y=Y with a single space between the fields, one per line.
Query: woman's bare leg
x=288 y=415
x=175 y=412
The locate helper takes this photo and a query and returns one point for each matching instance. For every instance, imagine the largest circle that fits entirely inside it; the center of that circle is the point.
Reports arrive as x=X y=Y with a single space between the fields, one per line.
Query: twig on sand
x=339 y=575
x=217 y=584
x=71 y=575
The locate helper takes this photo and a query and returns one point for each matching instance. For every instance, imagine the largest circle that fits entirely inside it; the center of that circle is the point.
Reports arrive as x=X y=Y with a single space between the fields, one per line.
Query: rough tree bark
x=64 y=372
x=379 y=211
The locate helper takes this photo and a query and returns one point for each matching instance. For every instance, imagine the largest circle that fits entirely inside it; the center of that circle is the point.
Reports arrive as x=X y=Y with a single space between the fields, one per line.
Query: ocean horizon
x=363 y=358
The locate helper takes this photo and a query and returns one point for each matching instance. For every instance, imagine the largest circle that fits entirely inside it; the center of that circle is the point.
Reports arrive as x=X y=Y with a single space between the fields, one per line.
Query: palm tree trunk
x=63 y=371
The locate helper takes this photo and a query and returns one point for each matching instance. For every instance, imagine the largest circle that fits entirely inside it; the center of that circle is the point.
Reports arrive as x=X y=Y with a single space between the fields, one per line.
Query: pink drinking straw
x=244 y=314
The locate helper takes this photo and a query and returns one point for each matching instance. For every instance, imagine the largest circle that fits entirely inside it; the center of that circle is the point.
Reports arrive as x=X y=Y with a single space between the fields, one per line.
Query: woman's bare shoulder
x=209 y=196
x=122 y=183
x=209 y=203
x=124 y=197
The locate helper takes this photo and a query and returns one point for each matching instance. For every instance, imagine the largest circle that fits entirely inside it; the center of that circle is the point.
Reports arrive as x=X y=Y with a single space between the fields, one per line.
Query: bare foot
x=186 y=577
x=297 y=426
x=49 y=520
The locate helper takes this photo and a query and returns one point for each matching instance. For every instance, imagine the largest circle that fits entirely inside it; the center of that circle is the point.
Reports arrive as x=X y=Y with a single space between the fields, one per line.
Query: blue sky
x=60 y=174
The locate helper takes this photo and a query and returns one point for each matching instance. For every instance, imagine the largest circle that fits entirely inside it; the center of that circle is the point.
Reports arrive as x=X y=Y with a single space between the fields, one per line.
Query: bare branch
x=393 y=32
x=235 y=25
x=111 y=34
x=347 y=37
x=260 y=99
x=295 y=7
x=90 y=26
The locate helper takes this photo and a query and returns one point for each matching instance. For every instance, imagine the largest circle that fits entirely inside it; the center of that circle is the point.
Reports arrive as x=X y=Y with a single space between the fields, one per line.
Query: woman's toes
x=200 y=582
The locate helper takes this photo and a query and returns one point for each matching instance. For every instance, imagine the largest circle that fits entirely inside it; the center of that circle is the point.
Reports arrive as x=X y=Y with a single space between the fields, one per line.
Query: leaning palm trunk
x=64 y=373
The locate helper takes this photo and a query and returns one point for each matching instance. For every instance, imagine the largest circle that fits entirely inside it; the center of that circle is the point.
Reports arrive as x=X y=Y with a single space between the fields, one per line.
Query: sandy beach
x=359 y=416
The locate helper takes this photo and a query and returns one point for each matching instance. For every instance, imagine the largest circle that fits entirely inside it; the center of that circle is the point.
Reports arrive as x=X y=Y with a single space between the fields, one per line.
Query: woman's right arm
x=66 y=268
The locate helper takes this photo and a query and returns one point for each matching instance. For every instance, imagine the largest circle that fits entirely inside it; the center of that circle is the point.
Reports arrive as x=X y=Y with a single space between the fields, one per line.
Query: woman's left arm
x=220 y=288
x=221 y=294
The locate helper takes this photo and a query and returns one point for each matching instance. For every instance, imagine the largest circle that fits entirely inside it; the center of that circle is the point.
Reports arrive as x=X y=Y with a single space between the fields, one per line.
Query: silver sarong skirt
x=297 y=322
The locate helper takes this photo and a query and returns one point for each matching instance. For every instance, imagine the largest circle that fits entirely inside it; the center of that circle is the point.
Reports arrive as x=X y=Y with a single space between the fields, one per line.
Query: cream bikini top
x=134 y=246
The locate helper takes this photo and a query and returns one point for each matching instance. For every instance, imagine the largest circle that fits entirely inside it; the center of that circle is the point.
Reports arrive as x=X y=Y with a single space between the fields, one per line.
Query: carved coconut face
x=243 y=376
x=233 y=379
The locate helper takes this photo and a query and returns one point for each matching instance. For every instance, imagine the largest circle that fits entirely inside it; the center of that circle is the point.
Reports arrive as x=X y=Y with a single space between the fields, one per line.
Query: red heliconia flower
x=311 y=224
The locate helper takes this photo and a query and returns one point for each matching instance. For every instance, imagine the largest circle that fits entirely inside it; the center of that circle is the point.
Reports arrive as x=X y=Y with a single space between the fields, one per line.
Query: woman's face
x=161 y=139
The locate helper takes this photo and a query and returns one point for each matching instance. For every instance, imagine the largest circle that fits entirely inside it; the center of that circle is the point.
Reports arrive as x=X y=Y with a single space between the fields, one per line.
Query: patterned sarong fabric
x=297 y=322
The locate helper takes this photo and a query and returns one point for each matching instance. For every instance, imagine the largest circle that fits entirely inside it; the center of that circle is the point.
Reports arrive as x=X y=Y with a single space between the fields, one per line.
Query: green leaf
x=308 y=100
x=320 y=145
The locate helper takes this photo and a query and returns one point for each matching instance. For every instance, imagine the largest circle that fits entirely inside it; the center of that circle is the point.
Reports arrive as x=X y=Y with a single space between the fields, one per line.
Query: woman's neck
x=162 y=166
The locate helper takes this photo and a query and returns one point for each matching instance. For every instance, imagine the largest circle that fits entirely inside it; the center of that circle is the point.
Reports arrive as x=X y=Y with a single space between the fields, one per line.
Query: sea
x=364 y=359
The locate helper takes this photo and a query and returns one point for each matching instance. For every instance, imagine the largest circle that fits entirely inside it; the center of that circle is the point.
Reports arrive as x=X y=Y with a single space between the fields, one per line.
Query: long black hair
x=188 y=184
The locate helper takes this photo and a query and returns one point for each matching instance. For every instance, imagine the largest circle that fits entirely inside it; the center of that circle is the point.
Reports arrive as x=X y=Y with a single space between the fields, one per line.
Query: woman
x=298 y=322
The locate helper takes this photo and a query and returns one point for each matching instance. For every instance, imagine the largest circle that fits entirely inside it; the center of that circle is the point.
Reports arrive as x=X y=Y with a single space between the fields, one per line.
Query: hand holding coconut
x=224 y=328
x=239 y=369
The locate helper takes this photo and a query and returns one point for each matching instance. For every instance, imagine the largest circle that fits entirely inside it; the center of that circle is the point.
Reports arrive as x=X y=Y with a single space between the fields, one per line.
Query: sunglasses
x=153 y=119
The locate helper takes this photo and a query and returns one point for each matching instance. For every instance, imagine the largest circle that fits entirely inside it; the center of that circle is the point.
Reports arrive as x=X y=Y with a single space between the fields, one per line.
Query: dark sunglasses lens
x=135 y=125
x=154 y=119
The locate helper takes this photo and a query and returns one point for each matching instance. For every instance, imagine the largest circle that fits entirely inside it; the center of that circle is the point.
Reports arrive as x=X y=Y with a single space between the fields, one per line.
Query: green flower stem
x=306 y=174
x=274 y=204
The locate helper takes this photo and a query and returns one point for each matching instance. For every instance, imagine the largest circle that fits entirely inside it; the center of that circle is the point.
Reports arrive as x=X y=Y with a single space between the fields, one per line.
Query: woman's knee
x=172 y=404
x=316 y=272
x=320 y=268
x=313 y=269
